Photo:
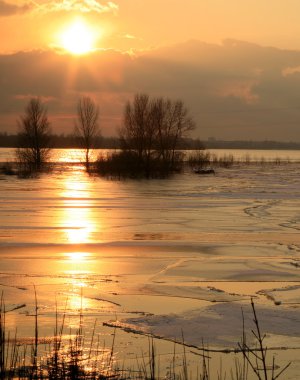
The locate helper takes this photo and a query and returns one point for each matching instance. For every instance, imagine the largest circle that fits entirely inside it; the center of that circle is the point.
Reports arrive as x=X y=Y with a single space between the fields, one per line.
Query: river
x=159 y=257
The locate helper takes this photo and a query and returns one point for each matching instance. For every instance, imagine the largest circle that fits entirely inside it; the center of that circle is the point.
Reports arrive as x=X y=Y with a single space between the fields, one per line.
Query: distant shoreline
x=258 y=145
x=69 y=141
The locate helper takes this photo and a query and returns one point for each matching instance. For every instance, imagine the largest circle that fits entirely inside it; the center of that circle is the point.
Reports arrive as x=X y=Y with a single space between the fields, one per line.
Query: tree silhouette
x=34 y=139
x=153 y=130
x=86 y=126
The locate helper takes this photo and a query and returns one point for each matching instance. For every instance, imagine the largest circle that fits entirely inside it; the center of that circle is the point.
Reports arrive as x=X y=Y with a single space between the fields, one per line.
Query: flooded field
x=170 y=258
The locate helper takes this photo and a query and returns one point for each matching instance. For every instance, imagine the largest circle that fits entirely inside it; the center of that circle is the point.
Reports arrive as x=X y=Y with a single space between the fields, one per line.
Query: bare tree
x=86 y=127
x=173 y=124
x=139 y=132
x=34 y=137
x=153 y=130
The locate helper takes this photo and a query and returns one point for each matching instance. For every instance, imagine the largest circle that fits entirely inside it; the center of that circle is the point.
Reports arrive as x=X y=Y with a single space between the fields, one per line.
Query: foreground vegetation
x=79 y=358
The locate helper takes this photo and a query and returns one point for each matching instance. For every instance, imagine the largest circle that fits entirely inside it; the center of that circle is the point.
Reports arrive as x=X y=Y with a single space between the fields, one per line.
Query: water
x=163 y=255
x=77 y=155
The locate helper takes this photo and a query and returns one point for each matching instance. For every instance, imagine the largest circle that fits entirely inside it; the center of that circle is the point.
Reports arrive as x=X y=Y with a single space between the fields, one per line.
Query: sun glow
x=78 y=38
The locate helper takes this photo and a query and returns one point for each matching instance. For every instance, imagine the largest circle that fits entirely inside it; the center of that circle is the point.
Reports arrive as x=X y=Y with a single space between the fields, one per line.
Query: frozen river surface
x=159 y=257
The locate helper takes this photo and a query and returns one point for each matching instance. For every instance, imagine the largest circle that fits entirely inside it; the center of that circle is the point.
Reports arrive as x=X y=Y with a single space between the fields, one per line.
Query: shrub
x=126 y=164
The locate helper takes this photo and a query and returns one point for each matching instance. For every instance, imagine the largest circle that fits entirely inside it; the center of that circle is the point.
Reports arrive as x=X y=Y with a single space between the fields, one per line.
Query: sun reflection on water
x=77 y=269
x=78 y=257
x=77 y=215
x=78 y=302
x=77 y=266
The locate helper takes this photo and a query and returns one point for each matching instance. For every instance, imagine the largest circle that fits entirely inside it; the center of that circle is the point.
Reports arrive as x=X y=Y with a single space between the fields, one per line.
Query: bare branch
x=34 y=139
x=86 y=127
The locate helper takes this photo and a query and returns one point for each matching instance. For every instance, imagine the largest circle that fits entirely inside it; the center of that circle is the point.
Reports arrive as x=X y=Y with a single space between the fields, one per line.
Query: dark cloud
x=236 y=90
x=9 y=9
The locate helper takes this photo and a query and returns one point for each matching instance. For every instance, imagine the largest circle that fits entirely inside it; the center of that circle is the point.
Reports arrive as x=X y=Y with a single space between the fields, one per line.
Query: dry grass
x=81 y=358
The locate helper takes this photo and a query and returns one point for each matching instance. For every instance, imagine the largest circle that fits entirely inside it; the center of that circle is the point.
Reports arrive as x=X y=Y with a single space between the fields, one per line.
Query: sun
x=78 y=38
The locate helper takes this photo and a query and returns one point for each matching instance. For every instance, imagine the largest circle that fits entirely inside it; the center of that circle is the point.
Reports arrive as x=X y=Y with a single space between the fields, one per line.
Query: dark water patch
x=293 y=224
x=260 y=210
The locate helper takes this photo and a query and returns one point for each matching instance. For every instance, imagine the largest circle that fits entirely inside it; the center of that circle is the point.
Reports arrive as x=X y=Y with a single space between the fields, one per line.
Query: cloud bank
x=236 y=90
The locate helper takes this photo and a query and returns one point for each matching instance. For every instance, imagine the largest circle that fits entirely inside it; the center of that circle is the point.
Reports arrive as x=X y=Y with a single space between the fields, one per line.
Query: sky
x=235 y=64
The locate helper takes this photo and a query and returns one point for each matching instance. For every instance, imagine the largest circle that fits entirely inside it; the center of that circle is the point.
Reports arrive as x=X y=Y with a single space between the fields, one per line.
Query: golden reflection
x=78 y=302
x=78 y=257
x=77 y=267
x=76 y=214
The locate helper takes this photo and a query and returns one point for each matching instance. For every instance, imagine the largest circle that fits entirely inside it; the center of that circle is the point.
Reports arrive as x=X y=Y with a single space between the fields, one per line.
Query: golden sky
x=125 y=24
x=235 y=63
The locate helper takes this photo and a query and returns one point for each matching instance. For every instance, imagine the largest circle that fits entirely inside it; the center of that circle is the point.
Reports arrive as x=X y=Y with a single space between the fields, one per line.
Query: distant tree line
x=69 y=140
x=60 y=141
x=8 y=140
x=249 y=144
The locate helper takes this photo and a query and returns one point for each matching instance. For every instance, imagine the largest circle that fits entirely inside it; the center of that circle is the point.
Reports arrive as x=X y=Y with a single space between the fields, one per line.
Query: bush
x=199 y=159
x=7 y=169
x=126 y=164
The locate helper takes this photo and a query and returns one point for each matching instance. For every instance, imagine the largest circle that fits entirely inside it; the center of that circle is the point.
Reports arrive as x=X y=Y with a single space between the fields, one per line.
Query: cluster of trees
x=152 y=131
x=150 y=137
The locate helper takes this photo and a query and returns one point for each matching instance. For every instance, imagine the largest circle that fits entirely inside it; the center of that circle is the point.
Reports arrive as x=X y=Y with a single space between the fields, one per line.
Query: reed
x=203 y=159
x=72 y=360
